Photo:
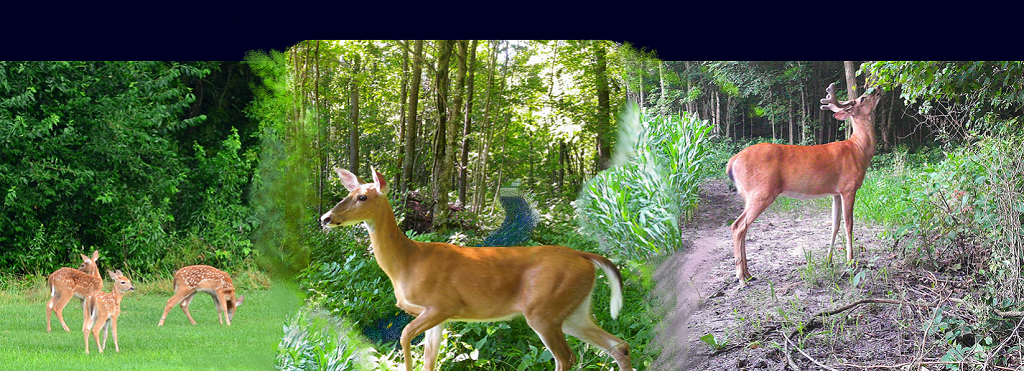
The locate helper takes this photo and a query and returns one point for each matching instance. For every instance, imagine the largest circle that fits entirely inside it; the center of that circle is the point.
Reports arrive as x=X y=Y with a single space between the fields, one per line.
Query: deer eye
x=361 y=198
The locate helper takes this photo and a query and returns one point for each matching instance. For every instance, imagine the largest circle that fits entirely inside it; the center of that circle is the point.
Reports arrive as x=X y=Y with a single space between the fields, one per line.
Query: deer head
x=864 y=106
x=89 y=264
x=360 y=204
x=121 y=283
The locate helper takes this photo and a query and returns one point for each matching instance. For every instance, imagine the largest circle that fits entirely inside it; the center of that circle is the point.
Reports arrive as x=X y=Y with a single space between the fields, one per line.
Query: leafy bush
x=968 y=209
x=636 y=206
x=314 y=340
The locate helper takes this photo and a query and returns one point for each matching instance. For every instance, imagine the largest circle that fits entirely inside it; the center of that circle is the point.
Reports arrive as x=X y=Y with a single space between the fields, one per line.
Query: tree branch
x=815 y=317
x=421 y=58
x=805 y=355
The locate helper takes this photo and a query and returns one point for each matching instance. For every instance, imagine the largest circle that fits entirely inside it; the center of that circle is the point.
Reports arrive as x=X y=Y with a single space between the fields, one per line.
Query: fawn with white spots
x=103 y=309
x=204 y=278
x=66 y=283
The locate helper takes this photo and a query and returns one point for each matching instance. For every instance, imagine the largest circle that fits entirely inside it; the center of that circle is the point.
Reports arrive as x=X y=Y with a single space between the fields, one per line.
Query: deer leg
x=580 y=326
x=753 y=208
x=427 y=319
x=178 y=296
x=96 y=334
x=59 y=308
x=106 y=332
x=113 y=324
x=837 y=206
x=87 y=323
x=86 y=333
x=216 y=305
x=432 y=344
x=184 y=306
x=220 y=301
x=848 y=199
x=551 y=334
x=49 y=306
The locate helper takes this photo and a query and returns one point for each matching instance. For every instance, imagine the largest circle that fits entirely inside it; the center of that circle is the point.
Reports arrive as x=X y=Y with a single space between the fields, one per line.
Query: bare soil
x=787 y=252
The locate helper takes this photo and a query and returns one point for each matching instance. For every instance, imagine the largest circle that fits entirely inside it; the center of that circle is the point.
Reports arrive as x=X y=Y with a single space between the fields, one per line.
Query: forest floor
x=787 y=249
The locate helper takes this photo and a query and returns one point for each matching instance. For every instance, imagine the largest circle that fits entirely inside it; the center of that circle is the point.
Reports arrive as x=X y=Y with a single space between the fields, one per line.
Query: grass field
x=250 y=343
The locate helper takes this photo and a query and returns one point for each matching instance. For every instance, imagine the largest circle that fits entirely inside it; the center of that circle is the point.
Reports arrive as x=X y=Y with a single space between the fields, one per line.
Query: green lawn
x=250 y=343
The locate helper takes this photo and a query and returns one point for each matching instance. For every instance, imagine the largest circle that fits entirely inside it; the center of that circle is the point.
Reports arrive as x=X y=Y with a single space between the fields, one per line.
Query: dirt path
x=699 y=287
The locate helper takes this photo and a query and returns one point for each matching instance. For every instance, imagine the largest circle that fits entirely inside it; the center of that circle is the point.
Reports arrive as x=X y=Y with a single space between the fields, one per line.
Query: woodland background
x=163 y=164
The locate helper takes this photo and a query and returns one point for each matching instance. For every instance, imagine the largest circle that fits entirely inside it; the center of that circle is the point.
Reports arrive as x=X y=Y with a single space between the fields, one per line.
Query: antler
x=830 y=102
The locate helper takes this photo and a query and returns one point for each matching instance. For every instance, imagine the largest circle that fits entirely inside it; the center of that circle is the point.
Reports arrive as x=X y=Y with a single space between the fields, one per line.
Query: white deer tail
x=614 y=280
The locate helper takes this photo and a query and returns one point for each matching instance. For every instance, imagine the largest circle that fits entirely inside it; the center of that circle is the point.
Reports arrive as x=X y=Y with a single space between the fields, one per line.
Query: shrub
x=315 y=340
x=968 y=208
x=636 y=205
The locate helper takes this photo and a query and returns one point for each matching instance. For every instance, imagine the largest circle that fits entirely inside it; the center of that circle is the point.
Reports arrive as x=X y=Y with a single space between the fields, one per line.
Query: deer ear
x=84 y=257
x=112 y=275
x=842 y=115
x=378 y=179
x=95 y=255
x=349 y=180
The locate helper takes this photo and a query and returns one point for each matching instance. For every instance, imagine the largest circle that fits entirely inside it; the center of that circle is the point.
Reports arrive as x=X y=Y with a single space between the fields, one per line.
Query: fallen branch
x=723 y=350
x=805 y=354
x=904 y=365
x=815 y=318
x=876 y=301
x=789 y=359
x=1005 y=341
x=1012 y=313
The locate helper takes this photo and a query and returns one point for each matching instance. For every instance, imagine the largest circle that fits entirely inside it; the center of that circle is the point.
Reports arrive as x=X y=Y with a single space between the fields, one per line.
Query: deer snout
x=325 y=220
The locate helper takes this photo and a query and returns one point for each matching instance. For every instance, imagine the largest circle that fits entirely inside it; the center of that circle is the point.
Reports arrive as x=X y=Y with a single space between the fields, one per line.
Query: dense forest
x=163 y=164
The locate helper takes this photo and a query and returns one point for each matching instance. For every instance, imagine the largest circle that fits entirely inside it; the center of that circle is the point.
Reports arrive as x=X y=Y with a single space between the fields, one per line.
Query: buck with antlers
x=66 y=283
x=765 y=171
x=437 y=282
x=204 y=278
x=103 y=309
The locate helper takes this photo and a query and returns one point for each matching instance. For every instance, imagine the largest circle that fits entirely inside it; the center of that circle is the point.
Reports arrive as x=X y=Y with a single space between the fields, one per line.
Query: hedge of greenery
x=107 y=156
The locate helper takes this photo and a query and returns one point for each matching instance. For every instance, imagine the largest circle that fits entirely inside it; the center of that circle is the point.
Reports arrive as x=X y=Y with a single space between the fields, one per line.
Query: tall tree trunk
x=728 y=118
x=803 y=115
x=504 y=111
x=561 y=168
x=448 y=170
x=353 y=138
x=439 y=181
x=551 y=116
x=771 y=118
x=320 y=153
x=467 y=126
x=403 y=124
x=663 y=99
x=603 y=128
x=481 y=178
x=690 y=105
x=887 y=128
x=411 y=131
x=717 y=119
x=851 y=87
x=501 y=154
x=789 y=110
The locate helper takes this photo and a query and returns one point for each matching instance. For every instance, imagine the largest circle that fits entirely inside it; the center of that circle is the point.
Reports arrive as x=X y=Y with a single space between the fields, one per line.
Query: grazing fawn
x=103 y=309
x=550 y=286
x=204 y=278
x=66 y=283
